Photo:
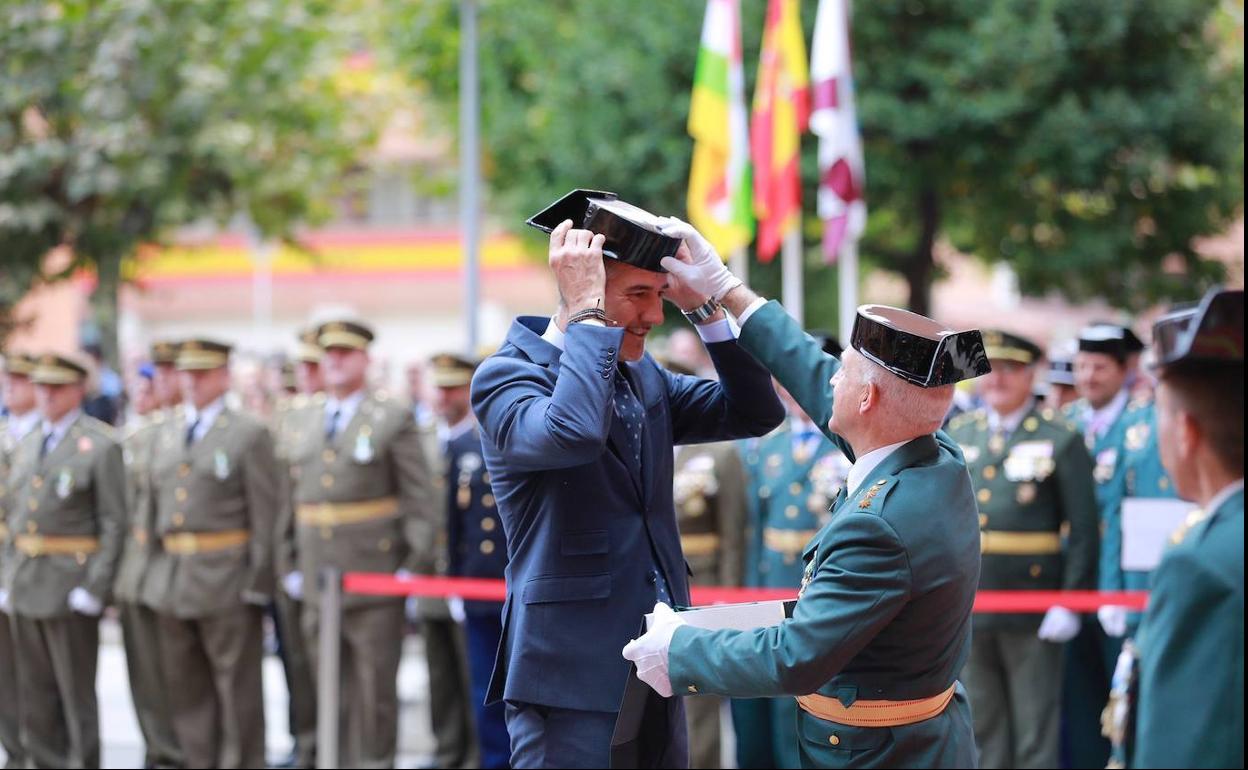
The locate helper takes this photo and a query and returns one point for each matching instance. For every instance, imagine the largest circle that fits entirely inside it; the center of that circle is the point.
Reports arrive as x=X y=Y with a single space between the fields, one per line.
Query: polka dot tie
x=628 y=410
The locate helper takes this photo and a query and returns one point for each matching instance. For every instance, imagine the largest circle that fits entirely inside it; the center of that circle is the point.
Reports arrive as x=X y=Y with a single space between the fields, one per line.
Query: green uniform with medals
x=1038 y=521
x=710 y=499
x=363 y=502
x=11 y=431
x=68 y=498
x=793 y=474
x=140 y=628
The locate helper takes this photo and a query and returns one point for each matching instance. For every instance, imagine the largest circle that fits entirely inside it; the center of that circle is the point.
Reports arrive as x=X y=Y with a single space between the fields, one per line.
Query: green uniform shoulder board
x=870 y=497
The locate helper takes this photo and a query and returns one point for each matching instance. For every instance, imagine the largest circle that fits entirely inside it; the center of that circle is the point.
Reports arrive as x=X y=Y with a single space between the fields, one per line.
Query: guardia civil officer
x=882 y=623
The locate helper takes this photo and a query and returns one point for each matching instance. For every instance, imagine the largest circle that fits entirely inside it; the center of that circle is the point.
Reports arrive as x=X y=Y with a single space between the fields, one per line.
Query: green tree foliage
x=1083 y=143
x=121 y=120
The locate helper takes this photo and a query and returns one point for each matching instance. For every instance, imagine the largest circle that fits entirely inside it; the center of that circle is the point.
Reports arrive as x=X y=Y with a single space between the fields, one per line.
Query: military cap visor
x=344 y=334
x=1004 y=346
x=202 y=355
x=452 y=371
x=19 y=364
x=916 y=348
x=164 y=352
x=52 y=369
x=1212 y=333
x=633 y=235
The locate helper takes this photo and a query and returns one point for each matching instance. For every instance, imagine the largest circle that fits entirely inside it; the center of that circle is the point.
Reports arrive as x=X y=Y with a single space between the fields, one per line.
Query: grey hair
x=906 y=405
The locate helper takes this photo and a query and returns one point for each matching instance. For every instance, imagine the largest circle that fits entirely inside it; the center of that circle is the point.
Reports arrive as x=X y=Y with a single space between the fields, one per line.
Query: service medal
x=64 y=484
x=220 y=465
x=363 y=452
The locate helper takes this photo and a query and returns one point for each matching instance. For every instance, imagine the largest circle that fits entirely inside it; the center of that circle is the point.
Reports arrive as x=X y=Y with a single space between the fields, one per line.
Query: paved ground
x=123 y=744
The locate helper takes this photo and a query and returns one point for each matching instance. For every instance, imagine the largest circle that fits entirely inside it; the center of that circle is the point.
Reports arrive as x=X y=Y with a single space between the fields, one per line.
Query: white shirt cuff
x=749 y=311
x=716 y=331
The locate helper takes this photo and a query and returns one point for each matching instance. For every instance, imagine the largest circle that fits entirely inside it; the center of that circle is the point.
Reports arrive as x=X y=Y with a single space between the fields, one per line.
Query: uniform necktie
x=190 y=432
x=47 y=444
x=331 y=428
x=628 y=410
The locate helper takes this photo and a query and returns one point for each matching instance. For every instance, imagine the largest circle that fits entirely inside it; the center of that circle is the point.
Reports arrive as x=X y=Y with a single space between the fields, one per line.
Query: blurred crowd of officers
x=196 y=518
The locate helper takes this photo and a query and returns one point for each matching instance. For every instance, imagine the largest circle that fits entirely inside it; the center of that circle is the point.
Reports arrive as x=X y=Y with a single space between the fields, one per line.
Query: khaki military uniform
x=289 y=610
x=9 y=727
x=213 y=504
x=1038 y=520
x=709 y=492
x=140 y=627
x=363 y=502
x=66 y=529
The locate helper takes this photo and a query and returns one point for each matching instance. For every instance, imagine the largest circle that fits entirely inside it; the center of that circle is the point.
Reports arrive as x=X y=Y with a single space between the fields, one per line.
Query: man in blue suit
x=578 y=425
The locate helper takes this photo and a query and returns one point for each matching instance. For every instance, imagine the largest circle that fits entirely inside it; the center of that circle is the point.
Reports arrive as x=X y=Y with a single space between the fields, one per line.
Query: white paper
x=1147 y=523
x=739 y=617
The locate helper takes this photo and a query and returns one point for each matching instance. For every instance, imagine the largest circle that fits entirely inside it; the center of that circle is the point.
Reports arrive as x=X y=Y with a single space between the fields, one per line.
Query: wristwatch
x=702 y=312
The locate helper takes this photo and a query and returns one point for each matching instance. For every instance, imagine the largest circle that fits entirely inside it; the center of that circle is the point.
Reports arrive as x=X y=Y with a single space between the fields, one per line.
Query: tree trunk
x=104 y=303
x=921 y=271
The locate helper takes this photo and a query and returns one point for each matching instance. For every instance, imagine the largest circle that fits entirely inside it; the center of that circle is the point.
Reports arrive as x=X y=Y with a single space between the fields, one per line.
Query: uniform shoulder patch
x=870 y=497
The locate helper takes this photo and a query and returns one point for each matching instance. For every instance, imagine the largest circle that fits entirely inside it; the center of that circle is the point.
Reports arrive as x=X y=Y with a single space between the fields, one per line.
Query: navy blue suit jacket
x=584 y=525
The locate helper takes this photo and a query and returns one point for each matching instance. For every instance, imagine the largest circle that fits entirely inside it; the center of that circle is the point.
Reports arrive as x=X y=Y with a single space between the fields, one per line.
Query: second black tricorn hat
x=916 y=348
x=1108 y=338
x=633 y=235
x=1209 y=334
x=1006 y=346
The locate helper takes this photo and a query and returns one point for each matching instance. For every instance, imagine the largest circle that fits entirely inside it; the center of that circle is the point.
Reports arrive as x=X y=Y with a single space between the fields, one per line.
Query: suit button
x=791 y=511
x=184 y=470
x=488 y=524
x=179 y=494
x=693 y=689
x=37 y=482
x=990 y=472
x=178 y=519
x=651 y=579
x=611 y=351
x=984 y=495
x=487 y=500
x=1035 y=570
x=383 y=545
x=327 y=480
x=487 y=547
x=835 y=740
x=328 y=456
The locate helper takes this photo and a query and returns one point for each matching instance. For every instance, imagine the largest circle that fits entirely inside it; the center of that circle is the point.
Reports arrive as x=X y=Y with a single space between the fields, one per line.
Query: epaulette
x=1189 y=523
x=870 y=498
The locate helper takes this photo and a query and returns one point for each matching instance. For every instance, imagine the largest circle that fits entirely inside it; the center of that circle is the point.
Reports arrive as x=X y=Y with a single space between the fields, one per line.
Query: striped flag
x=780 y=111
x=719 y=178
x=835 y=122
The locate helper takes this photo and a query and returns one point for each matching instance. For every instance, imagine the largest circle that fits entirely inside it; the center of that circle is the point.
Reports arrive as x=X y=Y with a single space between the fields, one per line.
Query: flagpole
x=739 y=264
x=847 y=285
x=791 y=275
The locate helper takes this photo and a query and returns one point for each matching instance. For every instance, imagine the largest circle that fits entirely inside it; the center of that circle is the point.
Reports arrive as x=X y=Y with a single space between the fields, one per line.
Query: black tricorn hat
x=632 y=234
x=916 y=348
x=1211 y=333
x=1109 y=338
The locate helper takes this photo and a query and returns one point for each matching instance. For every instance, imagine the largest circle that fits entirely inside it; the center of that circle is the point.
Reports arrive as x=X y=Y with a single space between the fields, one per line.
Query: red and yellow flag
x=780 y=112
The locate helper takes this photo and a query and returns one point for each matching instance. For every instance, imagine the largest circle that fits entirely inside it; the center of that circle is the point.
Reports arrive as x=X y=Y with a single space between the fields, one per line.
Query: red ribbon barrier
x=481 y=589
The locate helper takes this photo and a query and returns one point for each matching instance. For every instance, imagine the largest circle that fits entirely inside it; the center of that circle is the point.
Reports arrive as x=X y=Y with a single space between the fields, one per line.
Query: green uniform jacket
x=380 y=454
x=138 y=547
x=77 y=490
x=1107 y=472
x=227 y=480
x=886 y=609
x=1191 y=685
x=1038 y=481
x=1142 y=476
x=790 y=491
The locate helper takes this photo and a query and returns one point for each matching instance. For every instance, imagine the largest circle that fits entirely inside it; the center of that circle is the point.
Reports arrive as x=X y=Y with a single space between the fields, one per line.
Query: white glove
x=456 y=606
x=650 y=651
x=292 y=584
x=1059 y=625
x=707 y=273
x=1113 y=619
x=5 y=607
x=81 y=601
